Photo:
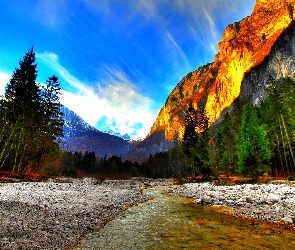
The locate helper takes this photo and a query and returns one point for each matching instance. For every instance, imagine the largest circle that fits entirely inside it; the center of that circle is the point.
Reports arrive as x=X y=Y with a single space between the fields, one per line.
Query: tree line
x=251 y=140
x=76 y=163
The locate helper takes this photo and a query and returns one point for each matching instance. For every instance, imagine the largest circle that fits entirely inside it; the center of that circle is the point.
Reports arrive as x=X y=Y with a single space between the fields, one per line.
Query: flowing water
x=167 y=223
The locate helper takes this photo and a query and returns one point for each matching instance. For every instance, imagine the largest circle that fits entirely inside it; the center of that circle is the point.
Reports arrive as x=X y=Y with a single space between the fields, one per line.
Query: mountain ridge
x=215 y=86
x=248 y=53
x=81 y=137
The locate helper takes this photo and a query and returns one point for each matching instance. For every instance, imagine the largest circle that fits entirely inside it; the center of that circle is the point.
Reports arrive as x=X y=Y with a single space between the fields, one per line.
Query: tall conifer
x=254 y=153
x=195 y=142
x=31 y=117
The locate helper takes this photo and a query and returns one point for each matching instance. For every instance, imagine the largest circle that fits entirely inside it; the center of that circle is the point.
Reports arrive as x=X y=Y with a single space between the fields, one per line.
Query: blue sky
x=117 y=60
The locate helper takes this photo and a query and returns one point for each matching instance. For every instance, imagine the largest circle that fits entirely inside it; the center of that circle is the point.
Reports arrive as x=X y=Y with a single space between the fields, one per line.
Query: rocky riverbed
x=55 y=214
x=267 y=202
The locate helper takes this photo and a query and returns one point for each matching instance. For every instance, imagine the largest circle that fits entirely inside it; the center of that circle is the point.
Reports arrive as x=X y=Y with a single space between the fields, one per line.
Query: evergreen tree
x=50 y=106
x=254 y=153
x=190 y=135
x=195 y=142
x=226 y=141
x=225 y=148
x=31 y=117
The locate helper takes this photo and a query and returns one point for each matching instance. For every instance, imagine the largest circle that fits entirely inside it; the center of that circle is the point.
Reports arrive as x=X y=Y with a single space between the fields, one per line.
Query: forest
x=250 y=141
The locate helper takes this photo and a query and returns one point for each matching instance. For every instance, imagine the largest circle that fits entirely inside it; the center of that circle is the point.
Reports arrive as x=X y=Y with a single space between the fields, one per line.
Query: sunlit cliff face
x=215 y=86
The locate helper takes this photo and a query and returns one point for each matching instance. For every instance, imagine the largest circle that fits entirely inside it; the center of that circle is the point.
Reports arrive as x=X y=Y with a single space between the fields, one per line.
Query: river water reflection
x=167 y=223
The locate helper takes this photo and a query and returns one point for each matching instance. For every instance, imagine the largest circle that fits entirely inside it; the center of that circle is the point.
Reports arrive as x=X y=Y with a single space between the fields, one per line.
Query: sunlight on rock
x=215 y=86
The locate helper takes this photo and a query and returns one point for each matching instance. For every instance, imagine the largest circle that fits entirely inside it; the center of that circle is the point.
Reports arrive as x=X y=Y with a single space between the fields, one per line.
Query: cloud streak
x=175 y=19
x=178 y=49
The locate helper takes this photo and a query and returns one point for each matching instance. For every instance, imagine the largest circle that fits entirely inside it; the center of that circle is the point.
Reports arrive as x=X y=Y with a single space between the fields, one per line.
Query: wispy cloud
x=175 y=19
x=49 y=13
x=115 y=98
x=178 y=49
x=213 y=31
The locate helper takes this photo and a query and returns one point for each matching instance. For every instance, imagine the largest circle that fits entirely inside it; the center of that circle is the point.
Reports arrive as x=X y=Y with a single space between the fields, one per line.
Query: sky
x=117 y=60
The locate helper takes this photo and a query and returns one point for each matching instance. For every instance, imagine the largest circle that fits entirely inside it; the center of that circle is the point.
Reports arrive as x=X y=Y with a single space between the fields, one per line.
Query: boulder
x=273 y=198
x=287 y=220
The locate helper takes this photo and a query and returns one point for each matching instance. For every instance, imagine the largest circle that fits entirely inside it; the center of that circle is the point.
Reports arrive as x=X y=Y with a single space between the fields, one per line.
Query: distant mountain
x=126 y=137
x=151 y=145
x=80 y=136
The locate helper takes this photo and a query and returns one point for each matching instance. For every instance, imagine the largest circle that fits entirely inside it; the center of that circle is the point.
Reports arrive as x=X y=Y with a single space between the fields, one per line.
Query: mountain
x=126 y=137
x=154 y=143
x=251 y=50
x=80 y=136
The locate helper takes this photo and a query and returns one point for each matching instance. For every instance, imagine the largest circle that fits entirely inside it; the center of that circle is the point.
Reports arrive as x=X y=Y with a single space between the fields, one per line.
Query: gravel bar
x=56 y=214
x=273 y=203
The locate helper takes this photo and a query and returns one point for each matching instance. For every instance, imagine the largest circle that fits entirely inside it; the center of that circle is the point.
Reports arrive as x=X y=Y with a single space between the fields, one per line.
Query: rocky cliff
x=244 y=46
x=252 y=50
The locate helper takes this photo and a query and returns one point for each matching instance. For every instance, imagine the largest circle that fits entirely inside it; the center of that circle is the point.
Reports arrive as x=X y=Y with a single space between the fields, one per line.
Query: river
x=167 y=222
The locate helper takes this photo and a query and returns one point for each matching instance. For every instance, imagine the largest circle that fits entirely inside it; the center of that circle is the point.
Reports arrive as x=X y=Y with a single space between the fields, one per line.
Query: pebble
x=56 y=213
x=268 y=202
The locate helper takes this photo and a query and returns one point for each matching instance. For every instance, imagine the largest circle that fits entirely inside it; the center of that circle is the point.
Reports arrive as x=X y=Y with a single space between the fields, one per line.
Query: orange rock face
x=215 y=86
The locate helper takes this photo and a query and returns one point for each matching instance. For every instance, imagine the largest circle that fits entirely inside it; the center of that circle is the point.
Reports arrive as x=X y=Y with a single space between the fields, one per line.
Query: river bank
x=172 y=222
x=274 y=203
x=56 y=213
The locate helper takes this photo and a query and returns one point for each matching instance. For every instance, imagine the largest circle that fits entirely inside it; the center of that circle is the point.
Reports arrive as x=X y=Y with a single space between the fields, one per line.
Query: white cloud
x=4 y=79
x=117 y=100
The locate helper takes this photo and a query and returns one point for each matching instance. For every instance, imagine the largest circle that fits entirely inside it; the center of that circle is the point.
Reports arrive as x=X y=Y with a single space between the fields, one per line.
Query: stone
x=273 y=198
x=72 y=209
x=287 y=220
x=207 y=199
x=248 y=205
x=199 y=201
x=230 y=202
x=249 y=199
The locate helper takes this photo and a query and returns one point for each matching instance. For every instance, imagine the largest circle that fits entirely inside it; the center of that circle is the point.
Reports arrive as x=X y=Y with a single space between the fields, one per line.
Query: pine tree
x=254 y=153
x=224 y=146
x=190 y=135
x=31 y=117
x=22 y=92
x=195 y=142
x=226 y=141
x=51 y=107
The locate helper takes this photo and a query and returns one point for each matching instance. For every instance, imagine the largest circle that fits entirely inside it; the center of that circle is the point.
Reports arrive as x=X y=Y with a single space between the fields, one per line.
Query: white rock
x=273 y=198
x=230 y=202
x=199 y=200
x=287 y=220
x=242 y=199
x=207 y=199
